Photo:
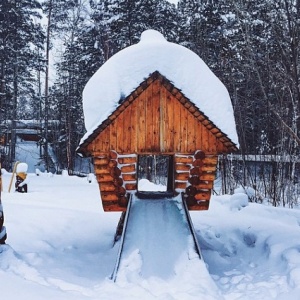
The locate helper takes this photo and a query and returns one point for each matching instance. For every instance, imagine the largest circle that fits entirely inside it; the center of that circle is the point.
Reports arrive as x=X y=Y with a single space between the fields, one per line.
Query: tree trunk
x=46 y=117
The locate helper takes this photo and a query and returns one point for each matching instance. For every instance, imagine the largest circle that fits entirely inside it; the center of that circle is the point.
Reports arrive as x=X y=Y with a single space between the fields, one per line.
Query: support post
x=12 y=175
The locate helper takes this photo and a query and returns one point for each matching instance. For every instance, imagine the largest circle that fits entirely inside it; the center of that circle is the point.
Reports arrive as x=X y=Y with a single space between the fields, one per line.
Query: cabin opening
x=155 y=174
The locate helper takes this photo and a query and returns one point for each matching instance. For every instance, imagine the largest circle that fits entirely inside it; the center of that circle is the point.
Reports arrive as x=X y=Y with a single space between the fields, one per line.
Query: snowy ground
x=60 y=246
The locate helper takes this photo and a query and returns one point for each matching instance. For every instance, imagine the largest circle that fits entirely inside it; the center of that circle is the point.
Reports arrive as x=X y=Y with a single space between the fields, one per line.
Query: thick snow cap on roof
x=124 y=71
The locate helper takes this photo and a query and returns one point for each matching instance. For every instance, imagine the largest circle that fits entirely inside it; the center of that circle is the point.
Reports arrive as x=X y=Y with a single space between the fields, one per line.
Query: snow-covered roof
x=123 y=73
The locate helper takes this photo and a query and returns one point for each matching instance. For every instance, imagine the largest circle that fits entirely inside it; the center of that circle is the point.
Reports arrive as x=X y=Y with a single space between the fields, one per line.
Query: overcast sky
x=173 y=1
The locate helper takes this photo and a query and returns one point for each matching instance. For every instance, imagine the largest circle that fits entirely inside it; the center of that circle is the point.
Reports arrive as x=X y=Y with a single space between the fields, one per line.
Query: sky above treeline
x=173 y=1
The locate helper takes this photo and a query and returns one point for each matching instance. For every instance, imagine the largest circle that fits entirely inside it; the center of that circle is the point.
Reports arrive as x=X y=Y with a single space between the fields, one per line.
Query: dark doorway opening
x=156 y=175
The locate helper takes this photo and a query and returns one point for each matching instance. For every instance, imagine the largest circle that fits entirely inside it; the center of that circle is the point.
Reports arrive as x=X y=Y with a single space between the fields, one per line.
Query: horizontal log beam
x=209 y=168
x=131 y=186
x=199 y=206
x=182 y=167
x=208 y=176
x=129 y=177
x=128 y=169
x=109 y=196
x=210 y=160
x=101 y=161
x=184 y=159
x=108 y=206
x=104 y=177
x=107 y=187
x=101 y=169
x=127 y=160
x=183 y=176
x=203 y=195
x=205 y=185
x=180 y=185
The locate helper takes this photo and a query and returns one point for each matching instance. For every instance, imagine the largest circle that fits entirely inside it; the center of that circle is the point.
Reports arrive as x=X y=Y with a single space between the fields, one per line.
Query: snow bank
x=123 y=72
x=239 y=199
x=61 y=247
x=252 y=253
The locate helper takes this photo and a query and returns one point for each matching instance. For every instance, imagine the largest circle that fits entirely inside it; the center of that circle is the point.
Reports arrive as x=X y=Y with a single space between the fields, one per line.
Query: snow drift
x=60 y=247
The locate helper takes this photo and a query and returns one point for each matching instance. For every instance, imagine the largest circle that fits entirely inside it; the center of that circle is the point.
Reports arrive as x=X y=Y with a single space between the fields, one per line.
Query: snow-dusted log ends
x=155 y=111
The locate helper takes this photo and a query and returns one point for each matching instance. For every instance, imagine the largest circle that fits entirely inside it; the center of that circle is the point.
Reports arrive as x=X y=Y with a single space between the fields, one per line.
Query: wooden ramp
x=157 y=234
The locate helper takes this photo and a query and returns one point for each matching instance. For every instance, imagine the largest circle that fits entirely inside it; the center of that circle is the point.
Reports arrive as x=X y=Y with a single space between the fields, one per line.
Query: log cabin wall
x=194 y=178
x=157 y=119
x=116 y=176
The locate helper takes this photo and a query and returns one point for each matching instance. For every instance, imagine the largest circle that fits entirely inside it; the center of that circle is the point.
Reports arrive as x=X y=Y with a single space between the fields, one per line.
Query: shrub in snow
x=238 y=201
x=90 y=177
x=249 y=191
x=64 y=173
x=3 y=171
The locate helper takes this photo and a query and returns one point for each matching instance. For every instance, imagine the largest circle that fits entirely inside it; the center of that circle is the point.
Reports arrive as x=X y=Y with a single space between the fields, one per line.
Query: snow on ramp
x=158 y=243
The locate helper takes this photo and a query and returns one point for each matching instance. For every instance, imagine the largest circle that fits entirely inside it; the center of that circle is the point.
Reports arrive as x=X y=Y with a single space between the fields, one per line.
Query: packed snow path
x=156 y=236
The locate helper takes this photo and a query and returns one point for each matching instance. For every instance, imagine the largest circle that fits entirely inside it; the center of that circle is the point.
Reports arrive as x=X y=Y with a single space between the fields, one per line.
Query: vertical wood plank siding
x=156 y=122
x=157 y=119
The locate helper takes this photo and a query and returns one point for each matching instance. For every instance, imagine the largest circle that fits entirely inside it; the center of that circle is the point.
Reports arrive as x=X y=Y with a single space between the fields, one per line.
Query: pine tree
x=20 y=36
x=68 y=27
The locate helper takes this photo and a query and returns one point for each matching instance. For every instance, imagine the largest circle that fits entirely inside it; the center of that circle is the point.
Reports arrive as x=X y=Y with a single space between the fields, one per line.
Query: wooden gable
x=157 y=118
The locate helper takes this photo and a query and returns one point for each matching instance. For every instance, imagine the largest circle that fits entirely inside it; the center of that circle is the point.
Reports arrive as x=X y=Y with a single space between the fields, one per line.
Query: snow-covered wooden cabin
x=156 y=110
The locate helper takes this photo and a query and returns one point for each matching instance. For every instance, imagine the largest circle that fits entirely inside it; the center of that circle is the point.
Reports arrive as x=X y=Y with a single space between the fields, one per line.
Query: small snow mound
x=151 y=36
x=248 y=190
x=146 y=185
x=3 y=171
x=22 y=168
x=238 y=201
x=91 y=177
x=64 y=173
x=238 y=190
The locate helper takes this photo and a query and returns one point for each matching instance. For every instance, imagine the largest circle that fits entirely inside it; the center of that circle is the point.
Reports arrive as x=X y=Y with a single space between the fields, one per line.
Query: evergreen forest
x=49 y=49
